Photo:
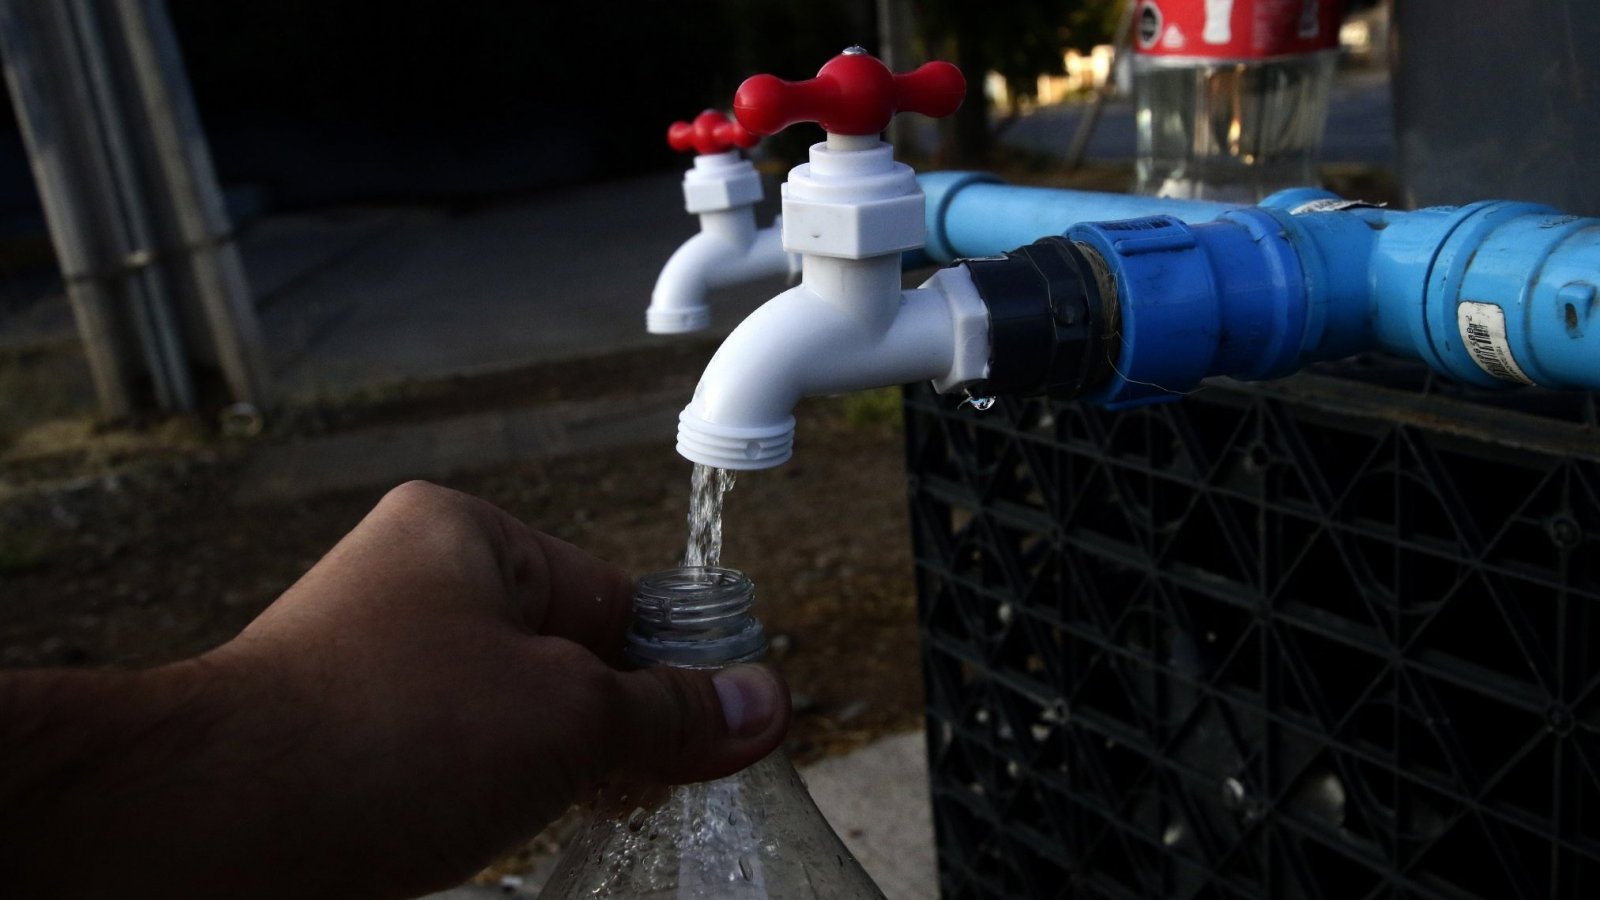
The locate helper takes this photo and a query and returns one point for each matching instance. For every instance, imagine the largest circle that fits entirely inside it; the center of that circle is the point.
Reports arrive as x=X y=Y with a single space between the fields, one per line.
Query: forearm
x=433 y=692
x=128 y=782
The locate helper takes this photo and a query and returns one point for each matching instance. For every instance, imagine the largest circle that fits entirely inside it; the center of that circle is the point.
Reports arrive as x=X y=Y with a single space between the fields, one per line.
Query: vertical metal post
x=202 y=230
x=135 y=214
x=127 y=205
x=1091 y=117
x=35 y=51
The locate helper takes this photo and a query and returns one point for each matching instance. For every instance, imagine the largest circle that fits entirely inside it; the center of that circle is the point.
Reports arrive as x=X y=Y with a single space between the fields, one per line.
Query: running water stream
x=706 y=486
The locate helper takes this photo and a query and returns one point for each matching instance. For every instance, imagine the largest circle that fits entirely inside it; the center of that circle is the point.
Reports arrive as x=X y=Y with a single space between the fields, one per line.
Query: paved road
x=355 y=301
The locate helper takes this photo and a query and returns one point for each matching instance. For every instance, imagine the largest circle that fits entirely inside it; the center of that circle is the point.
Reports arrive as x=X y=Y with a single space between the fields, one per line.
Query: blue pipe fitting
x=1196 y=301
x=1485 y=331
x=1495 y=294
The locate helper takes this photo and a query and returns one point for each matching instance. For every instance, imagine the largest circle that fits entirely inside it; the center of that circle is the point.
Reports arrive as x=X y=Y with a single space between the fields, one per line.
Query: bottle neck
x=695 y=617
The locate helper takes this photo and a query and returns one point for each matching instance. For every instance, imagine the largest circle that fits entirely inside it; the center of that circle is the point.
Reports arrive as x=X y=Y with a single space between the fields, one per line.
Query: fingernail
x=750 y=697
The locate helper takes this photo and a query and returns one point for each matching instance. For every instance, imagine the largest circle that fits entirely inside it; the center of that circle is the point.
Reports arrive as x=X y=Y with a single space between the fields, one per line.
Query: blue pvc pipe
x=1493 y=293
x=976 y=214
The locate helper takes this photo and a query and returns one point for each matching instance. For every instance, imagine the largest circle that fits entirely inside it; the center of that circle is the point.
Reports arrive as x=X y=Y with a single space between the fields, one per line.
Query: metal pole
x=138 y=272
x=1091 y=118
x=39 y=55
x=204 y=235
x=135 y=214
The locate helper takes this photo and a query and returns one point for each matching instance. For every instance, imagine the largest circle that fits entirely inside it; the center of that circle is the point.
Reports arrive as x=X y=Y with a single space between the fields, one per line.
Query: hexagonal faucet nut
x=852 y=204
x=855 y=230
x=720 y=181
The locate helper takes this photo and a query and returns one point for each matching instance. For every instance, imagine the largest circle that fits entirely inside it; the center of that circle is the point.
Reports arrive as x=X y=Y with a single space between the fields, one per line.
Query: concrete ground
x=877 y=800
x=357 y=300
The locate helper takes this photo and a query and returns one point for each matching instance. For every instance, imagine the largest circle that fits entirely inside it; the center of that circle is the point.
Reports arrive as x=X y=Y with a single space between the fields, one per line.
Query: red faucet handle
x=854 y=93
x=710 y=132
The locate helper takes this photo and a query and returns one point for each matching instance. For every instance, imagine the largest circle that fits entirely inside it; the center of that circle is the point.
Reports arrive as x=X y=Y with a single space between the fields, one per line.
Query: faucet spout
x=728 y=250
x=803 y=343
x=723 y=189
x=850 y=212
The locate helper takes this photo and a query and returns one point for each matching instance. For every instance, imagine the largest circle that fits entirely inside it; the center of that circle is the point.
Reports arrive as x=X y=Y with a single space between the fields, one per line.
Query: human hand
x=440 y=686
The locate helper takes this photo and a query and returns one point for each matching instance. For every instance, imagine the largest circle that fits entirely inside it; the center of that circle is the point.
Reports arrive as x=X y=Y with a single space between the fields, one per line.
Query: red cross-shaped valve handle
x=710 y=132
x=855 y=93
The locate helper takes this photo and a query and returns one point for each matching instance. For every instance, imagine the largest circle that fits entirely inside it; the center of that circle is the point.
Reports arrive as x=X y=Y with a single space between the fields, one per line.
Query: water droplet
x=981 y=404
x=636 y=820
x=746 y=868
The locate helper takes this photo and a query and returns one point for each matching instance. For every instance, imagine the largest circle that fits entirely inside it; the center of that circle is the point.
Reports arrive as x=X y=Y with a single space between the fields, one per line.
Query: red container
x=1231 y=94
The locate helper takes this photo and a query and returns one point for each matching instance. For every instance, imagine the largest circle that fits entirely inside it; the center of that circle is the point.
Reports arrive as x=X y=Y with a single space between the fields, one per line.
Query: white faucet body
x=723 y=189
x=848 y=325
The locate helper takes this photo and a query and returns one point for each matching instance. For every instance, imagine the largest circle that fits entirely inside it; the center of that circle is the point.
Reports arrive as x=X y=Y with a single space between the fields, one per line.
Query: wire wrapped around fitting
x=1052 y=319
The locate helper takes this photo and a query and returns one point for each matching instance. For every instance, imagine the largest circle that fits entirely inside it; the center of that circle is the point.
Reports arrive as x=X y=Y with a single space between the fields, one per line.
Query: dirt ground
x=125 y=549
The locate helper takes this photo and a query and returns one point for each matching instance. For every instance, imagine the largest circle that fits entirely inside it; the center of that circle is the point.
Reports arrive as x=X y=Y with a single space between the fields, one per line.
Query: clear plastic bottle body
x=755 y=835
x=1229 y=130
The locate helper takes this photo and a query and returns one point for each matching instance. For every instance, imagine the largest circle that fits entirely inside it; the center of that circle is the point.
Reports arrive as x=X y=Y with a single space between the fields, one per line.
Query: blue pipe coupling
x=1492 y=294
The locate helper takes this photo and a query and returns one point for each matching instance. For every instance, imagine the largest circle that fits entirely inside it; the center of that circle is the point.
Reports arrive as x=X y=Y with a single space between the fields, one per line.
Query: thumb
x=674 y=726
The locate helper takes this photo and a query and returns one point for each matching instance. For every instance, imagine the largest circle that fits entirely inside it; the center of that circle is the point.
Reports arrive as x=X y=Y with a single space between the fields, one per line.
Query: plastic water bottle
x=756 y=834
x=1231 y=95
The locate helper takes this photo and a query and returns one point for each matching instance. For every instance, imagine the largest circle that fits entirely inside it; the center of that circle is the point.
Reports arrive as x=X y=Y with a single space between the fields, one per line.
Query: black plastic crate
x=1331 y=637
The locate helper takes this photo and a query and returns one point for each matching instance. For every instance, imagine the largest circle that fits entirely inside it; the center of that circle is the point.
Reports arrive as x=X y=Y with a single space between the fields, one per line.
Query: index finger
x=562 y=591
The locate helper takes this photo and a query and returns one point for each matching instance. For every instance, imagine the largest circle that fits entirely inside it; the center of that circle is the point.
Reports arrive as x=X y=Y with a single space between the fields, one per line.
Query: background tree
x=1018 y=39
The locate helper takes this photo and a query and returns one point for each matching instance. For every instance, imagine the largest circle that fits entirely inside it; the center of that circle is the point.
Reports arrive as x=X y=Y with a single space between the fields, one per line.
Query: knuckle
x=415 y=494
x=416 y=503
x=433 y=519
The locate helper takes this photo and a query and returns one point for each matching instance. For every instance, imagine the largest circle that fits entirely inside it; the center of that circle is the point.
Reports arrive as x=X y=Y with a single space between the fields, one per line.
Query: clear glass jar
x=1229 y=130
x=754 y=834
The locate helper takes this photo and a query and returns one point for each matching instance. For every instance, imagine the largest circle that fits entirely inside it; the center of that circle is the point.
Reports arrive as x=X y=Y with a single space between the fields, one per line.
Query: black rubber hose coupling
x=1052 y=319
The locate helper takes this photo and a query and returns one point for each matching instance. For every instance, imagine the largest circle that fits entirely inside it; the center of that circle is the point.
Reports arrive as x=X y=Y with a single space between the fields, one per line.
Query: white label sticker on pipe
x=1483 y=331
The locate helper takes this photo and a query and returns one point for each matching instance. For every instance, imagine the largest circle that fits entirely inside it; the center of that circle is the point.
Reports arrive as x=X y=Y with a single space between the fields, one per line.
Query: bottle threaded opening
x=695 y=617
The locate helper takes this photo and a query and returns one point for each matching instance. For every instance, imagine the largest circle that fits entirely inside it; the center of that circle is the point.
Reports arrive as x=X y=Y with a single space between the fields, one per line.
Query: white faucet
x=723 y=189
x=850 y=212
